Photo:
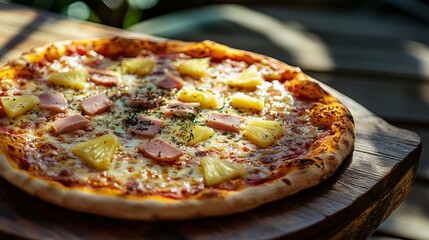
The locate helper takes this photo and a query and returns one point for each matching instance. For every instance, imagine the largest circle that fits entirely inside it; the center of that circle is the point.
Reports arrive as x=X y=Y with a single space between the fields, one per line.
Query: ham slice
x=104 y=80
x=100 y=71
x=69 y=124
x=169 y=82
x=180 y=109
x=148 y=101
x=225 y=122
x=96 y=104
x=103 y=76
x=146 y=127
x=160 y=150
x=53 y=101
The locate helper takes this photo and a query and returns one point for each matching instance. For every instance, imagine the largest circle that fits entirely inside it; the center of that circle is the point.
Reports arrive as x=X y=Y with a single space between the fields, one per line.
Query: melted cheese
x=130 y=166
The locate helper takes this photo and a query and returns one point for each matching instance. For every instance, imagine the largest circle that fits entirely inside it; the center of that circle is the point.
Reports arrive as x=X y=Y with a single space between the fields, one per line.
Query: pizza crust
x=303 y=173
x=158 y=208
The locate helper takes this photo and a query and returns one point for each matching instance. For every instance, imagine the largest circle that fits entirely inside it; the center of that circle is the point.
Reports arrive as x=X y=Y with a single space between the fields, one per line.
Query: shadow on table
x=20 y=36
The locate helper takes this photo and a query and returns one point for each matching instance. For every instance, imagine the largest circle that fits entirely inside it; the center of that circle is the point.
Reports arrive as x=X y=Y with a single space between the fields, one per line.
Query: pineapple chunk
x=74 y=78
x=17 y=105
x=263 y=132
x=250 y=78
x=216 y=171
x=196 y=67
x=243 y=101
x=197 y=134
x=98 y=152
x=140 y=66
x=206 y=99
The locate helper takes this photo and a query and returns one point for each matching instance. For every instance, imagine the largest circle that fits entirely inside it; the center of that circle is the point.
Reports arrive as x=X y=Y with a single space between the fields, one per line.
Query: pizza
x=163 y=129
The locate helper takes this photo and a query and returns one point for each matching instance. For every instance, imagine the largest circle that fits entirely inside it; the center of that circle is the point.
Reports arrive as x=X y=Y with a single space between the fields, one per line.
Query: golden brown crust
x=325 y=156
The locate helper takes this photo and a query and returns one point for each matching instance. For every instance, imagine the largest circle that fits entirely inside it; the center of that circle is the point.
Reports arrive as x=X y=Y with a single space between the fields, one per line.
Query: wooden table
x=371 y=183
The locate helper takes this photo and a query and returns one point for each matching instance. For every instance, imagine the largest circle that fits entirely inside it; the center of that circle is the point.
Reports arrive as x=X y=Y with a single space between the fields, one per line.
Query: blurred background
x=125 y=13
x=374 y=51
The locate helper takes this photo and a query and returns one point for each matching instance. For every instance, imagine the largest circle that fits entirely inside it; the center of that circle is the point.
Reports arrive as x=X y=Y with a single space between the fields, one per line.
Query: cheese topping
x=270 y=127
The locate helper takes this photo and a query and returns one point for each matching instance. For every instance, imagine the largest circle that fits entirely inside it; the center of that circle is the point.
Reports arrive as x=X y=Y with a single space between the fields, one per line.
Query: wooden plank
x=375 y=212
x=410 y=220
x=423 y=170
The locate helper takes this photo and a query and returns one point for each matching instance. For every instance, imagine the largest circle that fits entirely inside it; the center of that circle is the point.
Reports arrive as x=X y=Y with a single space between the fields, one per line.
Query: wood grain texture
x=409 y=220
x=366 y=188
x=378 y=211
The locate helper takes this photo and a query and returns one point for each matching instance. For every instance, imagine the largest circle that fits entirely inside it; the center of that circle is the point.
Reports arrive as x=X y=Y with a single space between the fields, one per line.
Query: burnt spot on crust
x=346 y=143
x=287 y=181
x=11 y=148
x=202 y=52
x=319 y=161
x=350 y=117
x=288 y=164
x=300 y=163
x=304 y=163
x=210 y=194
x=23 y=163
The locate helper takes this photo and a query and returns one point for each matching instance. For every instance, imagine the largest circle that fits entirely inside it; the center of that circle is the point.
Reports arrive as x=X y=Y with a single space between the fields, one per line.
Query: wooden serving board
x=370 y=184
